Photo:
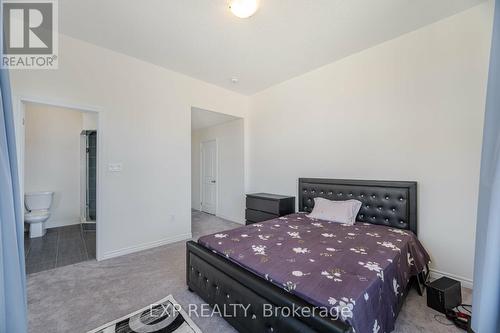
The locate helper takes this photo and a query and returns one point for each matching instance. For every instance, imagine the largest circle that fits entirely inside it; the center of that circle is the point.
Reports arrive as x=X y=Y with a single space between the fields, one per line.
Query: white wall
x=145 y=125
x=230 y=177
x=52 y=159
x=89 y=121
x=409 y=109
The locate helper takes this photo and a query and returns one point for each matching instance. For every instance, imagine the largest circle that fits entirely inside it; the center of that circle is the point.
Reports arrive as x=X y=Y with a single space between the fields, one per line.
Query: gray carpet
x=83 y=296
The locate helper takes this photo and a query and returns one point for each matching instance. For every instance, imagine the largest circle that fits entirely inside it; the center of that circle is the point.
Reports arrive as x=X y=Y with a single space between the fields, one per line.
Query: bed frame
x=221 y=282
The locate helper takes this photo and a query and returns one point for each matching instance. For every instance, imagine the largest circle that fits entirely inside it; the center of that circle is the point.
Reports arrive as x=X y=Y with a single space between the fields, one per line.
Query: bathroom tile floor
x=59 y=247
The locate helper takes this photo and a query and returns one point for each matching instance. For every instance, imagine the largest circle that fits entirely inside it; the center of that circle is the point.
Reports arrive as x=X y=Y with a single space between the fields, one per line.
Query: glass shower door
x=91 y=175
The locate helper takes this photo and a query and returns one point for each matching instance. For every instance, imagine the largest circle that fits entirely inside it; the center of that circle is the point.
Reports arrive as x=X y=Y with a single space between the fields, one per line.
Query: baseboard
x=231 y=219
x=435 y=274
x=57 y=224
x=145 y=246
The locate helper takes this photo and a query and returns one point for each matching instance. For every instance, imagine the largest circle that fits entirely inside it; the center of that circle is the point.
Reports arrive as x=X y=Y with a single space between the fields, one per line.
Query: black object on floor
x=444 y=294
x=59 y=247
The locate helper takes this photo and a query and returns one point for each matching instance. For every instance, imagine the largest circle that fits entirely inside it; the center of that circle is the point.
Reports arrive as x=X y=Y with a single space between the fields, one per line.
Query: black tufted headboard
x=390 y=203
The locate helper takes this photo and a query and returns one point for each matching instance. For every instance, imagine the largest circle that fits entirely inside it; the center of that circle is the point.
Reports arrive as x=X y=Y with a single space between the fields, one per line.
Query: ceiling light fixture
x=243 y=8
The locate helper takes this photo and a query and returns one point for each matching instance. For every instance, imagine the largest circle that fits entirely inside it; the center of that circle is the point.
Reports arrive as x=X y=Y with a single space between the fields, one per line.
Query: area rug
x=164 y=316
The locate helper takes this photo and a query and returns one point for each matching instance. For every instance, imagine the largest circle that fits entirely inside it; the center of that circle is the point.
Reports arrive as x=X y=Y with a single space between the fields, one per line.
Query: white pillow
x=335 y=211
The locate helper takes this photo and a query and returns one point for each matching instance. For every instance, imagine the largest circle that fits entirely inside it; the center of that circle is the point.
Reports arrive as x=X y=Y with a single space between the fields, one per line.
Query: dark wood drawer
x=257 y=216
x=264 y=205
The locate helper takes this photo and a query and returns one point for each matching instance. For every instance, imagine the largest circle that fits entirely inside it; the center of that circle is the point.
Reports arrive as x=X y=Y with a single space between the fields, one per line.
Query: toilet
x=37 y=205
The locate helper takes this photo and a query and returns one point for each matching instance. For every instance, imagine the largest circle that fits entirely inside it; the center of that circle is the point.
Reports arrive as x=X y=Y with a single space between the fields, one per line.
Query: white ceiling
x=202 y=39
x=201 y=118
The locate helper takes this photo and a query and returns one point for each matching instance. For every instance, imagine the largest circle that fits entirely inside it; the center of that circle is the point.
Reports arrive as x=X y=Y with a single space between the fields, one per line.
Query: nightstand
x=267 y=206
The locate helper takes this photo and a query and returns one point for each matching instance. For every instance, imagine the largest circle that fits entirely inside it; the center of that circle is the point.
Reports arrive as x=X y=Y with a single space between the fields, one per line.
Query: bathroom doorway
x=58 y=151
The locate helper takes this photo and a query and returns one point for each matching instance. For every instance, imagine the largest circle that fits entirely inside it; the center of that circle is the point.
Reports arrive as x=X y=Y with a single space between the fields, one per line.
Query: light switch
x=115 y=167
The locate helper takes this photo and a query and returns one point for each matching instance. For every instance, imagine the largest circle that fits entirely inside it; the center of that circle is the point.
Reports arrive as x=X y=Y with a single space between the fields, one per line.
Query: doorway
x=58 y=151
x=217 y=171
x=209 y=177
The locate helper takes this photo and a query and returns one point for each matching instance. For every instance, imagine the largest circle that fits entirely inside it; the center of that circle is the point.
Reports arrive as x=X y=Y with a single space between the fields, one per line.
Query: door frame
x=19 y=115
x=216 y=174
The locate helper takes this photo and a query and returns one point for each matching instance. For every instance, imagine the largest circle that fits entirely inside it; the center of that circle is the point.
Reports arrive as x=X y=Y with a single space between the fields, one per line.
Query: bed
x=305 y=265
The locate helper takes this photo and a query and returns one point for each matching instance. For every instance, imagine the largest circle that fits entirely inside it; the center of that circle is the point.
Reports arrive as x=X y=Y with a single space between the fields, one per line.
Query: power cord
x=456 y=317
x=465 y=307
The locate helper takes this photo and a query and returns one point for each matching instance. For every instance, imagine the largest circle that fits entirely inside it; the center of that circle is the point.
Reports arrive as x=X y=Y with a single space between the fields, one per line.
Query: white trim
x=79 y=107
x=63 y=223
x=231 y=219
x=436 y=274
x=145 y=246
x=18 y=108
x=201 y=179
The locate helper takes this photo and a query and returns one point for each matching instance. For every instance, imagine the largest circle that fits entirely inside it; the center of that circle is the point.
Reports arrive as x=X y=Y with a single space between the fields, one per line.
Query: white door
x=209 y=176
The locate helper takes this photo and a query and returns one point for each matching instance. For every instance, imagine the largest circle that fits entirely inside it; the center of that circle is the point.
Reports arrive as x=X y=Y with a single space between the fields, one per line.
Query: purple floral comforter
x=358 y=271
